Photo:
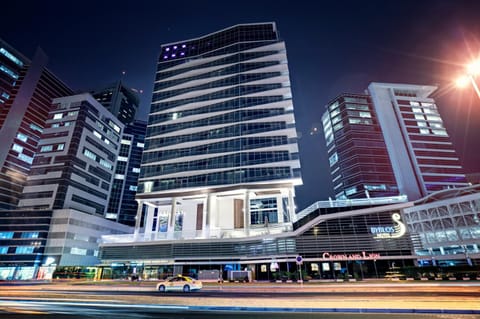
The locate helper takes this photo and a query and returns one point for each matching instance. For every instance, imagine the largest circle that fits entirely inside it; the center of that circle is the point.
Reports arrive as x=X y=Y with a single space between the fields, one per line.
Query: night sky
x=332 y=47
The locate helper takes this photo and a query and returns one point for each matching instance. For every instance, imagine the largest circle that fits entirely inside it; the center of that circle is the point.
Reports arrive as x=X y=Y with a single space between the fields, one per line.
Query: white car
x=179 y=283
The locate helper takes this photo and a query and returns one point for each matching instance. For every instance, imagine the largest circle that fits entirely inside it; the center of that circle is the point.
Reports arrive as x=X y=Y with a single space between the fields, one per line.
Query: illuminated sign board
x=350 y=256
x=394 y=231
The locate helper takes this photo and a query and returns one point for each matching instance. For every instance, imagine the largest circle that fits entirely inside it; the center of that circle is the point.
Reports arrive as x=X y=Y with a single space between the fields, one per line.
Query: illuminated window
x=3 y=250
x=351 y=190
x=338 y=126
x=141 y=145
x=25 y=158
x=136 y=170
x=380 y=187
x=126 y=142
x=58 y=116
x=424 y=131
x=22 y=137
x=122 y=158
x=416 y=110
x=114 y=126
x=133 y=188
x=148 y=186
x=46 y=148
x=11 y=57
x=17 y=148
x=434 y=118
x=72 y=113
x=60 y=147
x=24 y=250
x=97 y=134
x=119 y=176
x=78 y=251
x=90 y=154
x=436 y=125
x=333 y=159
x=422 y=124
x=30 y=234
x=440 y=132
x=334 y=113
x=35 y=127
x=6 y=234
x=9 y=72
x=105 y=164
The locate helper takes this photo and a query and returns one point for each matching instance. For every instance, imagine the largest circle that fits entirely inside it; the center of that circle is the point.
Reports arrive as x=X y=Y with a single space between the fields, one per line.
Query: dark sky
x=332 y=47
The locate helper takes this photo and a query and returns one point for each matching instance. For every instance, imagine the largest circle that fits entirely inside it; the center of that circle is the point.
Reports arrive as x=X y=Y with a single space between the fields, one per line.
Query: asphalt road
x=126 y=300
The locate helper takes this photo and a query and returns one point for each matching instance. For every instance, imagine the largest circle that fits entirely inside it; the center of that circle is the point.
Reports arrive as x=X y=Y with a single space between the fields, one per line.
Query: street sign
x=299 y=260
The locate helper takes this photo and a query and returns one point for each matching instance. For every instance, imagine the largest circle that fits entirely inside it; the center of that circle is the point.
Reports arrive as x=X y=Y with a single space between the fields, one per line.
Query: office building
x=122 y=206
x=36 y=244
x=221 y=150
x=121 y=101
x=419 y=149
x=359 y=163
x=75 y=163
x=26 y=91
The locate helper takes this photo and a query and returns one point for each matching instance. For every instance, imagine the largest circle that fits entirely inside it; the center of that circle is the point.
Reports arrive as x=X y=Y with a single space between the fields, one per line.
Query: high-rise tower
x=75 y=162
x=121 y=101
x=359 y=162
x=221 y=145
x=26 y=92
x=419 y=149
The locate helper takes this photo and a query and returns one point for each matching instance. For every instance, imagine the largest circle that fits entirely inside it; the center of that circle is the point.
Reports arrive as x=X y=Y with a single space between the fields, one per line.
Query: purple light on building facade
x=167 y=49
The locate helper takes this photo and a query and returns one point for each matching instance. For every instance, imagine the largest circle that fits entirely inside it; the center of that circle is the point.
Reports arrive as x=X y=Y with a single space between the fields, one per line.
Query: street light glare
x=474 y=68
x=462 y=81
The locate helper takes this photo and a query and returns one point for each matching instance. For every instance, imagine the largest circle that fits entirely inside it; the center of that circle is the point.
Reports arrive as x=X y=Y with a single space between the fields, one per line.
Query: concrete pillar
x=149 y=221
x=171 y=220
x=205 y=215
x=246 y=213
x=291 y=204
x=138 y=218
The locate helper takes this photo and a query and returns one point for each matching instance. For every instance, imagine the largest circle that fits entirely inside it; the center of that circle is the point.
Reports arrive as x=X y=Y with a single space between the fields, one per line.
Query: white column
x=149 y=221
x=171 y=220
x=138 y=218
x=246 y=213
x=205 y=215
x=291 y=204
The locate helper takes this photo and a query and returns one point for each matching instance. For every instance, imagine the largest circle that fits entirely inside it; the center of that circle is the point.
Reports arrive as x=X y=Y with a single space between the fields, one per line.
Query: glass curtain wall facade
x=122 y=206
x=123 y=102
x=358 y=157
x=390 y=141
x=26 y=91
x=221 y=146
